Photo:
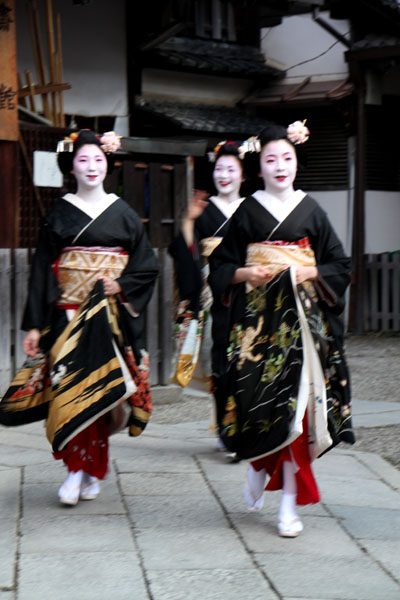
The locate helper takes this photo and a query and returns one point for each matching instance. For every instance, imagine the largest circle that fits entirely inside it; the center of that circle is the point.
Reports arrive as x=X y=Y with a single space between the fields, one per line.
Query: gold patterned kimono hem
x=89 y=371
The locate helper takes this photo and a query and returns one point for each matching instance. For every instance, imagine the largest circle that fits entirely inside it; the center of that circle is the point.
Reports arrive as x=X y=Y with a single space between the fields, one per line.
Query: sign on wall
x=8 y=73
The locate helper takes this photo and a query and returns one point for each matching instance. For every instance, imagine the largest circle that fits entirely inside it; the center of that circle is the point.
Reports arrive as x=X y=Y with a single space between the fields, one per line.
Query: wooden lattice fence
x=382 y=292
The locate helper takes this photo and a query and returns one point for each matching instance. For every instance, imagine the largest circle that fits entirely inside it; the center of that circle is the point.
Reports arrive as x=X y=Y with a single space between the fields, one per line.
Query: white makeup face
x=278 y=162
x=89 y=166
x=227 y=175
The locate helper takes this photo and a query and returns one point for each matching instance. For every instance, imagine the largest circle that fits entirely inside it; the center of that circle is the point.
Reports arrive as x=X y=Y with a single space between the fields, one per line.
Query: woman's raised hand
x=197 y=204
x=31 y=342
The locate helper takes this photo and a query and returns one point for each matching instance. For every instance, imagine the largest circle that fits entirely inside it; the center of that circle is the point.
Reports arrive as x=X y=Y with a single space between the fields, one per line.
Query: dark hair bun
x=271 y=133
x=228 y=149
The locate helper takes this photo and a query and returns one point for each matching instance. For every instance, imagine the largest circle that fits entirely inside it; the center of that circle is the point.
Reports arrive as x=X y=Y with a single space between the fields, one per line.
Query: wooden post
x=8 y=127
x=51 y=54
x=34 y=26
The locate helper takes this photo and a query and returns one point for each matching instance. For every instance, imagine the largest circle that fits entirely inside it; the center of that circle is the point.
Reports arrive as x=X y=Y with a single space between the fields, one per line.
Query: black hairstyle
x=230 y=148
x=271 y=133
x=86 y=136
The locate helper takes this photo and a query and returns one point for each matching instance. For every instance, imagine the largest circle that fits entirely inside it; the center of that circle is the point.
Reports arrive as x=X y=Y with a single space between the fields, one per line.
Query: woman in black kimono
x=202 y=229
x=92 y=276
x=282 y=270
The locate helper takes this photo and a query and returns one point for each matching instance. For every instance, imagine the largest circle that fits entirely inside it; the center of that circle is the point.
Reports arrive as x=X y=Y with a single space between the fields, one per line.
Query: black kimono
x=276 y=329
x=81 y=370
x=189 y=270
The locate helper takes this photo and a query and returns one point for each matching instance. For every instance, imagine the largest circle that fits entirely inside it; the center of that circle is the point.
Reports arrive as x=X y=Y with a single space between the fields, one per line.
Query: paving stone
x=81 y=576
x=387 y=553
x=195 y=549
x=366 y=493
x=10 y=481
x=8 y=549
x=182 y=512
x=370 y=523
x=213 y=584
x=17 y=456
x=332 y=579
x=341 y=465
x=156 y=463
x=162 y=484
x=76 y=533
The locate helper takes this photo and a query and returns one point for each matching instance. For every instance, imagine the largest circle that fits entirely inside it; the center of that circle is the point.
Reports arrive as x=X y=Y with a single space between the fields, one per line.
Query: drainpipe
x=357 y=289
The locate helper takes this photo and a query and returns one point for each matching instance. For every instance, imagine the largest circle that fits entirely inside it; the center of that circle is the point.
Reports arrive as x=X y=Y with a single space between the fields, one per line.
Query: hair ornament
x=252 y=144
x=297 y=132
x=67 y=144
x=110 y=141
x=212 y=156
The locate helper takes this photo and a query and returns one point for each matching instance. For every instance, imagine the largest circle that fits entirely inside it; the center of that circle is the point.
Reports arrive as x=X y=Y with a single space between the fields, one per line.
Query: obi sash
x=279 y=255
x=78 y=268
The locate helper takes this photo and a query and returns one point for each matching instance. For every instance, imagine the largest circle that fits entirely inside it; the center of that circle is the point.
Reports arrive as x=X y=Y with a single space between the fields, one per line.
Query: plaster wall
x=382 y=218
x=189 y=87
x=94 y=55
x=382 y=221
x=299 y=39
x=337 y=206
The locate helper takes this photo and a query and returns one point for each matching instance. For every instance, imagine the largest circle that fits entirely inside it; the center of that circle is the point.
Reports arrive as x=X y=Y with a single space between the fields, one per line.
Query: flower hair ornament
x=252 y=144
x=297 y=132
x=110 y=141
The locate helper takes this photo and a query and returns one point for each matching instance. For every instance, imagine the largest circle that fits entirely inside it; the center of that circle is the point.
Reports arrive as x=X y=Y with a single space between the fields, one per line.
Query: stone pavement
x=170 y=524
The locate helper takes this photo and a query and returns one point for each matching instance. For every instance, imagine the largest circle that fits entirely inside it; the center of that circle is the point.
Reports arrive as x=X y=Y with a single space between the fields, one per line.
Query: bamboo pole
x=51 y=55
x=31 y=96
x=60 y=71
x=34 y=26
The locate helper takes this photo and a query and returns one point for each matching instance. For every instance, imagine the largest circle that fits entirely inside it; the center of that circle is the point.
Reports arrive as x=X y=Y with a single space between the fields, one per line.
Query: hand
x=306 y=274
x=255 y=276
x=111 y=287
x=258 y=275
x=31 y=342
x=197 y=204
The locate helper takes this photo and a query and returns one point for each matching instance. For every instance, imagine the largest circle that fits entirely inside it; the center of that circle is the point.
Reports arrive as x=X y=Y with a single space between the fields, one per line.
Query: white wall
x=190 y=87
x=300 y=38
x=338 y=207
x=94 y=55
x=382 y=221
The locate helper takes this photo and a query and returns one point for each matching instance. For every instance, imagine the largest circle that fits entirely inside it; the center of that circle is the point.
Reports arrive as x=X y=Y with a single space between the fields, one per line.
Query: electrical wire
x=303 y=62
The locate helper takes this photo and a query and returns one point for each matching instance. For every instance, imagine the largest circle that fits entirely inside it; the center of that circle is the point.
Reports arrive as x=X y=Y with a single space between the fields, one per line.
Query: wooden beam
x=44 y=89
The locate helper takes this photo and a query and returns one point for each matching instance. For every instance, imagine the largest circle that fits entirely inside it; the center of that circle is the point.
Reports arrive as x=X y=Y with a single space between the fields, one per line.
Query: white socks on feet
x=289 y=524
x=78 y=485
x=70 y=490
x=253 y=489
x=90 y=487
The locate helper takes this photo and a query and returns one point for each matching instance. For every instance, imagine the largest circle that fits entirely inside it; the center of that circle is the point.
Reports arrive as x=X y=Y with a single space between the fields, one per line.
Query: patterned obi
x=279 y=255
x=209 y=244
x=78 y=268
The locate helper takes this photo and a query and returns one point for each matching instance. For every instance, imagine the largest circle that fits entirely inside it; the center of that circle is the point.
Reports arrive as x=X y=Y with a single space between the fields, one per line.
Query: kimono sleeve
x=334 y=267
x=43 y=289
x=139 y=276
